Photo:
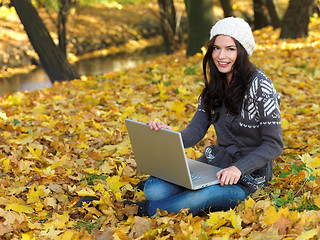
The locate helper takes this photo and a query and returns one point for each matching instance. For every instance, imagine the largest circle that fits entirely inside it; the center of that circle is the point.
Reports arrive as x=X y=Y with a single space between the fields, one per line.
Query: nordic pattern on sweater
x=269 y=97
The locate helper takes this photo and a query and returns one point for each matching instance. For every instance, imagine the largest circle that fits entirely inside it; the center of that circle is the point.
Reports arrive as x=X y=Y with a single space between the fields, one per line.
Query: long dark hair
x=217 y=91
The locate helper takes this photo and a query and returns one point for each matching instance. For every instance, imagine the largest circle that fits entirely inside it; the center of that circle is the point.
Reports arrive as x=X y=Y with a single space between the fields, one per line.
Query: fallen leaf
x=140 y=226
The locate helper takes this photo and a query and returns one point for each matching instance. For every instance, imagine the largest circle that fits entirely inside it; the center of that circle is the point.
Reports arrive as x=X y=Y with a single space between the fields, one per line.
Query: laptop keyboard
x=196 y=176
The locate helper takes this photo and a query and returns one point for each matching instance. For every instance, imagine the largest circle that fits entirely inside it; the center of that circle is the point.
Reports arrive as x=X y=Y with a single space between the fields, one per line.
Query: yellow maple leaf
x=317 y=201
x=50 y=202
x=11 y=217
x=249 y=203
x=69 y=234
x=217 y=219
x=106 y=167
x=271 y=233
x=96 y=125
x=16 y=189
x=23 y=140
x=19 y=208
x=119 y=235
x=81 y=126
x=272 y=215
x=38 y=207
x=118 y=196
x=6 y=164
x=83 y=146
x=35 y=193
x=128 y=111
x=39 y=108
x=182 y=90
x=86 y=192
x=60 y=220
x=35 y=152
x=114 y=183
x=25 y=166
x=307 y=235
x=235 y=220
x=90 y=170
x=50 y=232
x=313 y=140
x=52 y=123
x=124 y=146
x=3 y=115
x=224 y=232
x=162 y=90
x=27 y=236
x=313 y=163
x=60 y=162
x=95 y=133
x=179 y=108
x=192 y=153
x=100 y=188
x=285 y=124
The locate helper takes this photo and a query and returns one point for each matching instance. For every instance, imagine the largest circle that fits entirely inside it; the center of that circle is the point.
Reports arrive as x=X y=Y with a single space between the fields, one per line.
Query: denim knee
x=215 y=198
x=221 y=198
x=156 y=189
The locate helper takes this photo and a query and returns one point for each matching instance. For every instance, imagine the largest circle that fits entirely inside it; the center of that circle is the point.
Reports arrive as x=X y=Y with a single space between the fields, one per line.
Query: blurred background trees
x=293 y=21
x=200 y=20
x=53 y=58
x=296 y=19
x=170 y=25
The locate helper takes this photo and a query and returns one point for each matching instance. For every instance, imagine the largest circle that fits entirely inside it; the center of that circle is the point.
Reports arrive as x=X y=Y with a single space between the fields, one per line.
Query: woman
x=243 y=105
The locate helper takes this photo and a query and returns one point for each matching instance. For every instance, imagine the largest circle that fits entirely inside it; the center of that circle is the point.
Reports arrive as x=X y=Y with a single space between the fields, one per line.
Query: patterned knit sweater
x=250 y=140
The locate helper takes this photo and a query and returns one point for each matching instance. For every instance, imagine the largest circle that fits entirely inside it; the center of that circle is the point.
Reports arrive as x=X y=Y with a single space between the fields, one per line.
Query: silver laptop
x=161 y=154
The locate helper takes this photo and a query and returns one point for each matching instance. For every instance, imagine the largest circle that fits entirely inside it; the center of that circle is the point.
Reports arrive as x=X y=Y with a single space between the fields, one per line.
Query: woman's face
x=224 y=54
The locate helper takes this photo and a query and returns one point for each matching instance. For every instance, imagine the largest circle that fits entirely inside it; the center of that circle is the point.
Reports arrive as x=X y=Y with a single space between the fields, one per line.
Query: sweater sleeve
x=266 y=101
x=197 y=128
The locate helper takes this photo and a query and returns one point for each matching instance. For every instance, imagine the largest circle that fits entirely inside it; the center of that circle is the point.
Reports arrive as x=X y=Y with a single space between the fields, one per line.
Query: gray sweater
x=250 y=140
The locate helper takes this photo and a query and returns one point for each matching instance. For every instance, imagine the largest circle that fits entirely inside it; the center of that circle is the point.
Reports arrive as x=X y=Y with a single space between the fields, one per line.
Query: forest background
x=68 y=141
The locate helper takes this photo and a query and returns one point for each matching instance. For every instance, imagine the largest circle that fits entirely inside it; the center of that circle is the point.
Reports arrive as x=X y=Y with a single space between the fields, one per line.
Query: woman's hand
x=229 y=176
x=158 y=125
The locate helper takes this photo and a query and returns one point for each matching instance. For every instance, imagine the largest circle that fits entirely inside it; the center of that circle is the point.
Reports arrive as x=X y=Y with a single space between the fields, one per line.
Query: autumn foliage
x=70 y=140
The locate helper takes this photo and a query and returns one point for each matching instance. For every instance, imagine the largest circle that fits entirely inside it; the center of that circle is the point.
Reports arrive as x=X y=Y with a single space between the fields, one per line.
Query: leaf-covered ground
x=69 y=141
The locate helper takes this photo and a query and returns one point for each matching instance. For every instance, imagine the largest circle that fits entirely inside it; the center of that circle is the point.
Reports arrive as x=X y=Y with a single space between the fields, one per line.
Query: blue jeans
x=172 y=198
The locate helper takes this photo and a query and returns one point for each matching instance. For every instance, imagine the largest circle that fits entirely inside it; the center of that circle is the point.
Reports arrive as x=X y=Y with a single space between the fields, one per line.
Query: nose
x=222 y=54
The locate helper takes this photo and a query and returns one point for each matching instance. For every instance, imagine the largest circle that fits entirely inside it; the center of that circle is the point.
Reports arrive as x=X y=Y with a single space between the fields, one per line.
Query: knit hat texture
x=236 y=28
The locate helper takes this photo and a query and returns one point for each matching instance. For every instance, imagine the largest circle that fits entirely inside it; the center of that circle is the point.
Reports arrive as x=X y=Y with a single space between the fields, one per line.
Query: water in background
x=38 y=79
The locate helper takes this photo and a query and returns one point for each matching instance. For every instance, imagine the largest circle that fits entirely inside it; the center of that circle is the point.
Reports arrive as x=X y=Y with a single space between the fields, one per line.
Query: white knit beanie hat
x=236 y=28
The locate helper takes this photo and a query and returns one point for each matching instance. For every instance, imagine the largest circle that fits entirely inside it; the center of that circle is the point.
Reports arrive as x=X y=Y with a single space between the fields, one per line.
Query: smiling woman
x=224 y=54
x=240 y=101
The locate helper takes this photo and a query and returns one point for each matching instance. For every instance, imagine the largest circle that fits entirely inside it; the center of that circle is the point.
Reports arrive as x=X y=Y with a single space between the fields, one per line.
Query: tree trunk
x=260 y=17
x=227 y=9
x=275 y=21
x=316 y=8
x=62 y=20
x=168 y=24
x=296 y=19
x=187 y=4
x=200 y=21
x=51 y=57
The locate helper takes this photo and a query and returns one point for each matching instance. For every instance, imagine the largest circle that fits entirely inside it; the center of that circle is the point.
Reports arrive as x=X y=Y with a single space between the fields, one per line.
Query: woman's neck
x=229 y=77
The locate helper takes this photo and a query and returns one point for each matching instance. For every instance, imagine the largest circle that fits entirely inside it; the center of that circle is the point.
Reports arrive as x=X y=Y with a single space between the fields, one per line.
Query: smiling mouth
x=223 y=64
